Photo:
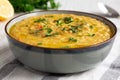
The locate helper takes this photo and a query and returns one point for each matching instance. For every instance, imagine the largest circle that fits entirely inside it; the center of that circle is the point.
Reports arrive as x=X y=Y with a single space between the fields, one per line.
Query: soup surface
x=60 y=31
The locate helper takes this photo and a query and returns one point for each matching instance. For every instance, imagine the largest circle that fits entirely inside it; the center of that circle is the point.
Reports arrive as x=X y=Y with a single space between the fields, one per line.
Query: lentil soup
x=60 y=31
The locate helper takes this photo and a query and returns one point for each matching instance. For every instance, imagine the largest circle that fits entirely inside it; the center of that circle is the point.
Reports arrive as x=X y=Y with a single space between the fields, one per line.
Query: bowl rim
x=86 y=47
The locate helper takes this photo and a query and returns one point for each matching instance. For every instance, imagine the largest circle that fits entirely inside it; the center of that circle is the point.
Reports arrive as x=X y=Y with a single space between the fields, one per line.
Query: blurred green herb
x=72 y=39
x=49 y=30
x=58 y=22
x=91 y=35
x=68 y=20
x=30 y=5
x=40 y=20
x=91 y=27
x=63 y=29
x=49 y=34
x=74 y=29
x=39 y=43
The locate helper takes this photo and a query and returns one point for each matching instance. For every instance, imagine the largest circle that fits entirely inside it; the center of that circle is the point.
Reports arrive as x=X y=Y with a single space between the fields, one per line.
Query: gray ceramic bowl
x=60 y=60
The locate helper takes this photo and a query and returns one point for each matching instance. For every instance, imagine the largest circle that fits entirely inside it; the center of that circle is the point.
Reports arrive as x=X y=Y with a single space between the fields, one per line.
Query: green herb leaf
x=72 y=39
x=55 y=34
x=30 y=5
x=59 y=22
x=91 y=27
x=49 y=35
x=49 y=30
x=40 y=20
x=74 y=29
x=68 y=20
x=91 y=35
x=63 y=29
x=53 y=4
x=39 y=43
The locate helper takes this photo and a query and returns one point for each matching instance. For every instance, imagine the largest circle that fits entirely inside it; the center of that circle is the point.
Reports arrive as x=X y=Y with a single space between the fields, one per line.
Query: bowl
x=55 y=60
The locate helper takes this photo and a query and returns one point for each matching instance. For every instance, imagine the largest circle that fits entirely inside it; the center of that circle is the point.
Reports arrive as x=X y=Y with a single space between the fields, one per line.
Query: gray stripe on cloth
x=8 y=68
x=113 y=73
x=50 y=78
x=53 y=76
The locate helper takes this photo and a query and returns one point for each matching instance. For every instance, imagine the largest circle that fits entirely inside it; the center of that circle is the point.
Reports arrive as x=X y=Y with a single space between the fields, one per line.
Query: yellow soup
x=60 y=31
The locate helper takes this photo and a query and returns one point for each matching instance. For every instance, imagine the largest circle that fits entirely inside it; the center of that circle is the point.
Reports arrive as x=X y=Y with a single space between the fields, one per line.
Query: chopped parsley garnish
x=68 y=20
x=40 y=20
x=49 y=35
x=91 y=27
x=55 y=34
x=63 y=29
x=49 y=30
x=59 y=22
x=39 y=43
x=74 y=29
x=91 y=35
x=72 y=39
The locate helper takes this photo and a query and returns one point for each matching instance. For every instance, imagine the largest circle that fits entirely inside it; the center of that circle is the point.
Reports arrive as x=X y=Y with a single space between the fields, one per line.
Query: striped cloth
x=11 y=69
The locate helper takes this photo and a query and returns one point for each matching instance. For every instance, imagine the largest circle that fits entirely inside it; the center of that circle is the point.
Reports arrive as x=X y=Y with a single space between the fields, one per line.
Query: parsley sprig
x=30 y=5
